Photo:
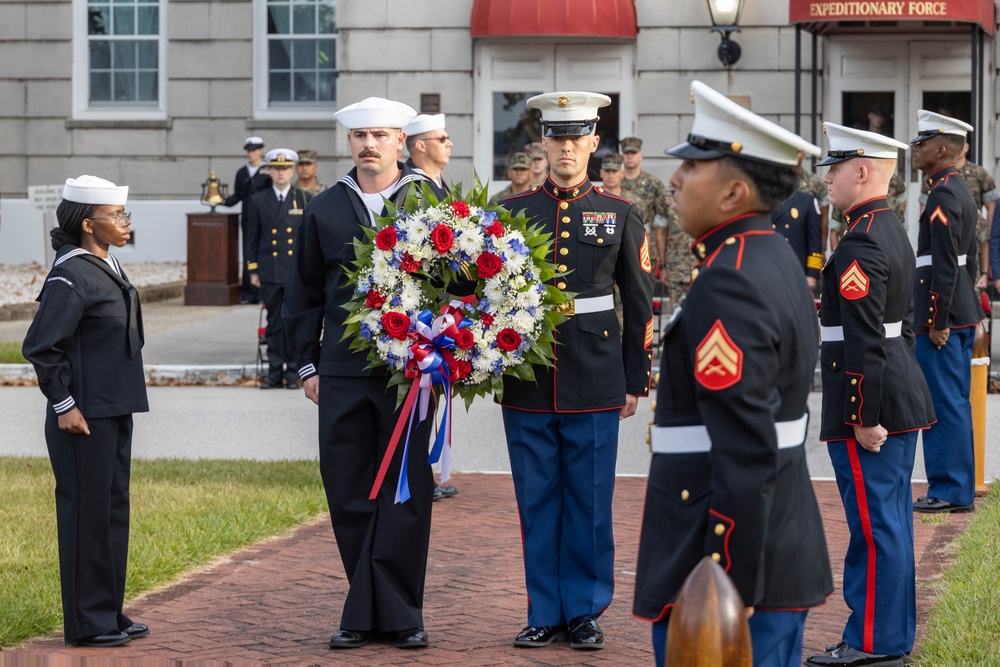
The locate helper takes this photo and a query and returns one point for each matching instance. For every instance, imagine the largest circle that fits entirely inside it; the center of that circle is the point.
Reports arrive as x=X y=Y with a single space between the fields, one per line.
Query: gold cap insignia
x=736 y=146
x=563 y=101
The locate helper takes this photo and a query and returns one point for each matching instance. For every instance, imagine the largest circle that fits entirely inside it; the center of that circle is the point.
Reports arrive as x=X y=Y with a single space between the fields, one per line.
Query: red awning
x=824 y=11
x=519 y=18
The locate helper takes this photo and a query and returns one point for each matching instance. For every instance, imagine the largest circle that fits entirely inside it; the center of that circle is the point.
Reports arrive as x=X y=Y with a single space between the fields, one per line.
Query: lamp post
x=726 y=19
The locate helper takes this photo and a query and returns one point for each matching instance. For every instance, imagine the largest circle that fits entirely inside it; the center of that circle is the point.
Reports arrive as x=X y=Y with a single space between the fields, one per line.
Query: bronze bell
x=213 y=191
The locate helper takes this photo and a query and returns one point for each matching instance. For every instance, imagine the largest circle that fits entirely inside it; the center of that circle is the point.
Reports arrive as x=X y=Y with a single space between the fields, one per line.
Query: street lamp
x=726 y=20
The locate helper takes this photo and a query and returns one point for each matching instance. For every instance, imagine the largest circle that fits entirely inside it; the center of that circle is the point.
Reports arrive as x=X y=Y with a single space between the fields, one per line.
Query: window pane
x=326 y=54
x=279 y=87
x=123 y=54
x=304 y=54
x=149 y=20
x=98 y=20
x=305 y=86
x=327 y=19
x=100 y=86
x=326 y=86
x=124 y=21
x=124 y=86
x=514 y=126
x=100 y=55
x=279 y=21
x=148 y=83
x=148 y=56
x=278 y=53
x=304 y=19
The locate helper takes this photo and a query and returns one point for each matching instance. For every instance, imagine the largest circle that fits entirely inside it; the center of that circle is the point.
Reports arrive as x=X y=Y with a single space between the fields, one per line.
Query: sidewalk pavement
x=279 y=601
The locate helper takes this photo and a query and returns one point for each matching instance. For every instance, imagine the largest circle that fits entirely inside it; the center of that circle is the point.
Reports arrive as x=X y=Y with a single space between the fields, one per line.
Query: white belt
x=695 y=439
x=927 y=260
x=593 y=304
x=834 y=334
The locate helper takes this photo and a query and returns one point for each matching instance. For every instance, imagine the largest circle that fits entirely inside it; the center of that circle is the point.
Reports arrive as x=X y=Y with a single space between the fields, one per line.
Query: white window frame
x=261 y=74
x=82 y=110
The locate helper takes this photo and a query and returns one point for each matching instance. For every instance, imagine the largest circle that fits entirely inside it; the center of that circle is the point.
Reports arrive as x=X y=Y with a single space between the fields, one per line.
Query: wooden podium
x=213 y=259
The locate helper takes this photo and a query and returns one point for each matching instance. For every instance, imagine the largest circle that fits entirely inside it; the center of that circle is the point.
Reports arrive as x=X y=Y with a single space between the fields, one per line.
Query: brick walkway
x=279 y=601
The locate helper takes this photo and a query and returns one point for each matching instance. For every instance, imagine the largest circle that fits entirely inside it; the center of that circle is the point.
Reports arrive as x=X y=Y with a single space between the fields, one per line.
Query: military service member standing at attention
x=519 y=173
x=539 y=163
x=875 y=398
x=250 y=178
x=611 y=174
x=947 y=312
x=798 y=220
x=728 y=477
x=383 y=545
x=274 y=219
x=429 y=147
x=814 y=185
x=305 y=171
x=562 y=430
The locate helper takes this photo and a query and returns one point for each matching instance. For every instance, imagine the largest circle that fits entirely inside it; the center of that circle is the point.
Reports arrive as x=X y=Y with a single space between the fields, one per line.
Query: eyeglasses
x=122 y=219
x=445 y=139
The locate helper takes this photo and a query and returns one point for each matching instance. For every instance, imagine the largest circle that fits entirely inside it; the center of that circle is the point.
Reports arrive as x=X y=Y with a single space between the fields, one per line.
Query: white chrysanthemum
x=484 y=362
x=373 y=320
x=527 y=299
x=495 y=291
x=523 y=322
x=514 y=264
x=410 y=296
x=470 y=242
x=399 y=347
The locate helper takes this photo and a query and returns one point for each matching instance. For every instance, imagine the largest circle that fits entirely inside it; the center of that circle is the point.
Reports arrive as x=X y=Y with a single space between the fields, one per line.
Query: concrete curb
x=149 y=294
x=157 y=375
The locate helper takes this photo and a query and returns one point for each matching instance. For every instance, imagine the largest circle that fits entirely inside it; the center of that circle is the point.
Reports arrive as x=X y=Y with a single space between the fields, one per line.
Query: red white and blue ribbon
x=430 y=363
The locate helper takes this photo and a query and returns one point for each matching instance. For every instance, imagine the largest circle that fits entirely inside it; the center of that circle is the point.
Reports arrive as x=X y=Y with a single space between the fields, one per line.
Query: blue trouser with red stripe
x=949 y=456
x=563 y=466
x=879 y=574
x=776 y=637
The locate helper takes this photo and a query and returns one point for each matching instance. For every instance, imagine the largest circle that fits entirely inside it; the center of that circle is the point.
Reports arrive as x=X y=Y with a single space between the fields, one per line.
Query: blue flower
x=528 y=275
x=366 y=331
x=396 y=300
x=518 y=247
x=532 y=310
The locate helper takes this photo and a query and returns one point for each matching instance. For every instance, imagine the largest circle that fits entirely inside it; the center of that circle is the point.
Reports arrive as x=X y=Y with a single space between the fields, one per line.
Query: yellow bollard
x=977 y=395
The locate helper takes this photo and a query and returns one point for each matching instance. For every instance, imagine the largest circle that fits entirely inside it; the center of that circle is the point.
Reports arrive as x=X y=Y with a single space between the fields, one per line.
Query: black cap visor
x=569 y=128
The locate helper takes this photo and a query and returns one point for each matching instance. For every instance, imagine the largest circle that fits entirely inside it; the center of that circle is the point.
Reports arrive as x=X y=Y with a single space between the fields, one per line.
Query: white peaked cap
x=569 y=114
x=375 y=112
x=424 y=123
x=723 y=127
x=847 y=142
x=930 y=124
x=95 y=191
x=281 y=157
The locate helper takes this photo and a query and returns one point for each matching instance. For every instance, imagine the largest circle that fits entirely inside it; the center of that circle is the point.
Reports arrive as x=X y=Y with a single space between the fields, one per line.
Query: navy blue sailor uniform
x=562 y=429
x=84 y=344
x=440 y=191
x=871 y=377
x=798 y=220
x=383 y=545
x=944 y=297
x=245 y=186
x=271 y=230
x=728 y=477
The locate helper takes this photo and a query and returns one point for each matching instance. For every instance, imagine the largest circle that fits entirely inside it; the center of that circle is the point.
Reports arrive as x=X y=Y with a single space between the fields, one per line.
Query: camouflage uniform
x=897 y=188
x=655 y=204
x=318 y=187
x=812 y=184
x=984 y=191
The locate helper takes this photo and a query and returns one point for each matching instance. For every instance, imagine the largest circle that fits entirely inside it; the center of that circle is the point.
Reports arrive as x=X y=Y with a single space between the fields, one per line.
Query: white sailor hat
x=930 y=124
x=281 y=157
x=569 y=114
x=95 y=191
x=375 y=112
x=252 y=143
x=847 y=143
x=424 y=123
x=723 y=127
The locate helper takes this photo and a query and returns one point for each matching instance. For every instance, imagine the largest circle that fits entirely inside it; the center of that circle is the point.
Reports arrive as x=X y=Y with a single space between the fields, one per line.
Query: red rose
x=489 y=265
x=408 y=264
x=374 y=300
x=465 y=339
x=460 y=208
x=487 y=320
x=464 y=368
x=442 y=238
x=396 y=325
x=508 y=340
x=386 y=238
x=496 y=229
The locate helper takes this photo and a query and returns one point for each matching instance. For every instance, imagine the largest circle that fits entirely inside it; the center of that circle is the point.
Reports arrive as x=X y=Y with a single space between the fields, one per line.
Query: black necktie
x=280 y=199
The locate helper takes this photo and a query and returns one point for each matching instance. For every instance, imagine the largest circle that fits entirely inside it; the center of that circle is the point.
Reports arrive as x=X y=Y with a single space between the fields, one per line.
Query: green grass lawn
x=10 y=353
x=964 y=628
x=184 y=513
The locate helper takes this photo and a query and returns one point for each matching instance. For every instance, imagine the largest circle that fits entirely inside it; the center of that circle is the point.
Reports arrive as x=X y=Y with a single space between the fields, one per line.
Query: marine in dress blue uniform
x=947 y=312
x=798 y=220
x=249 y=179
x=728 y=477
x=274 y=219
x=383 y=545
x=562 y=430
x=84 y=343
x=875 y=399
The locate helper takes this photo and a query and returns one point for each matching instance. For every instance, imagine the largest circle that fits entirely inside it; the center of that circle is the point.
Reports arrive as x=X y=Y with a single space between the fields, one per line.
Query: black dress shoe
x=351 y=638
x=585 y=633
x=108 y=639
x=136 y=630
x=412 y=638
x=292 y=383
x=541 y=635
x=271 y=384
x=444 y=491
x=842 y=655
x=936 y=505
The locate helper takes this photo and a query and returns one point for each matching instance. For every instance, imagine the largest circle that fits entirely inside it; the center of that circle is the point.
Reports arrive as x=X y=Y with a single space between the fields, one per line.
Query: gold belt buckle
x=567 y=307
